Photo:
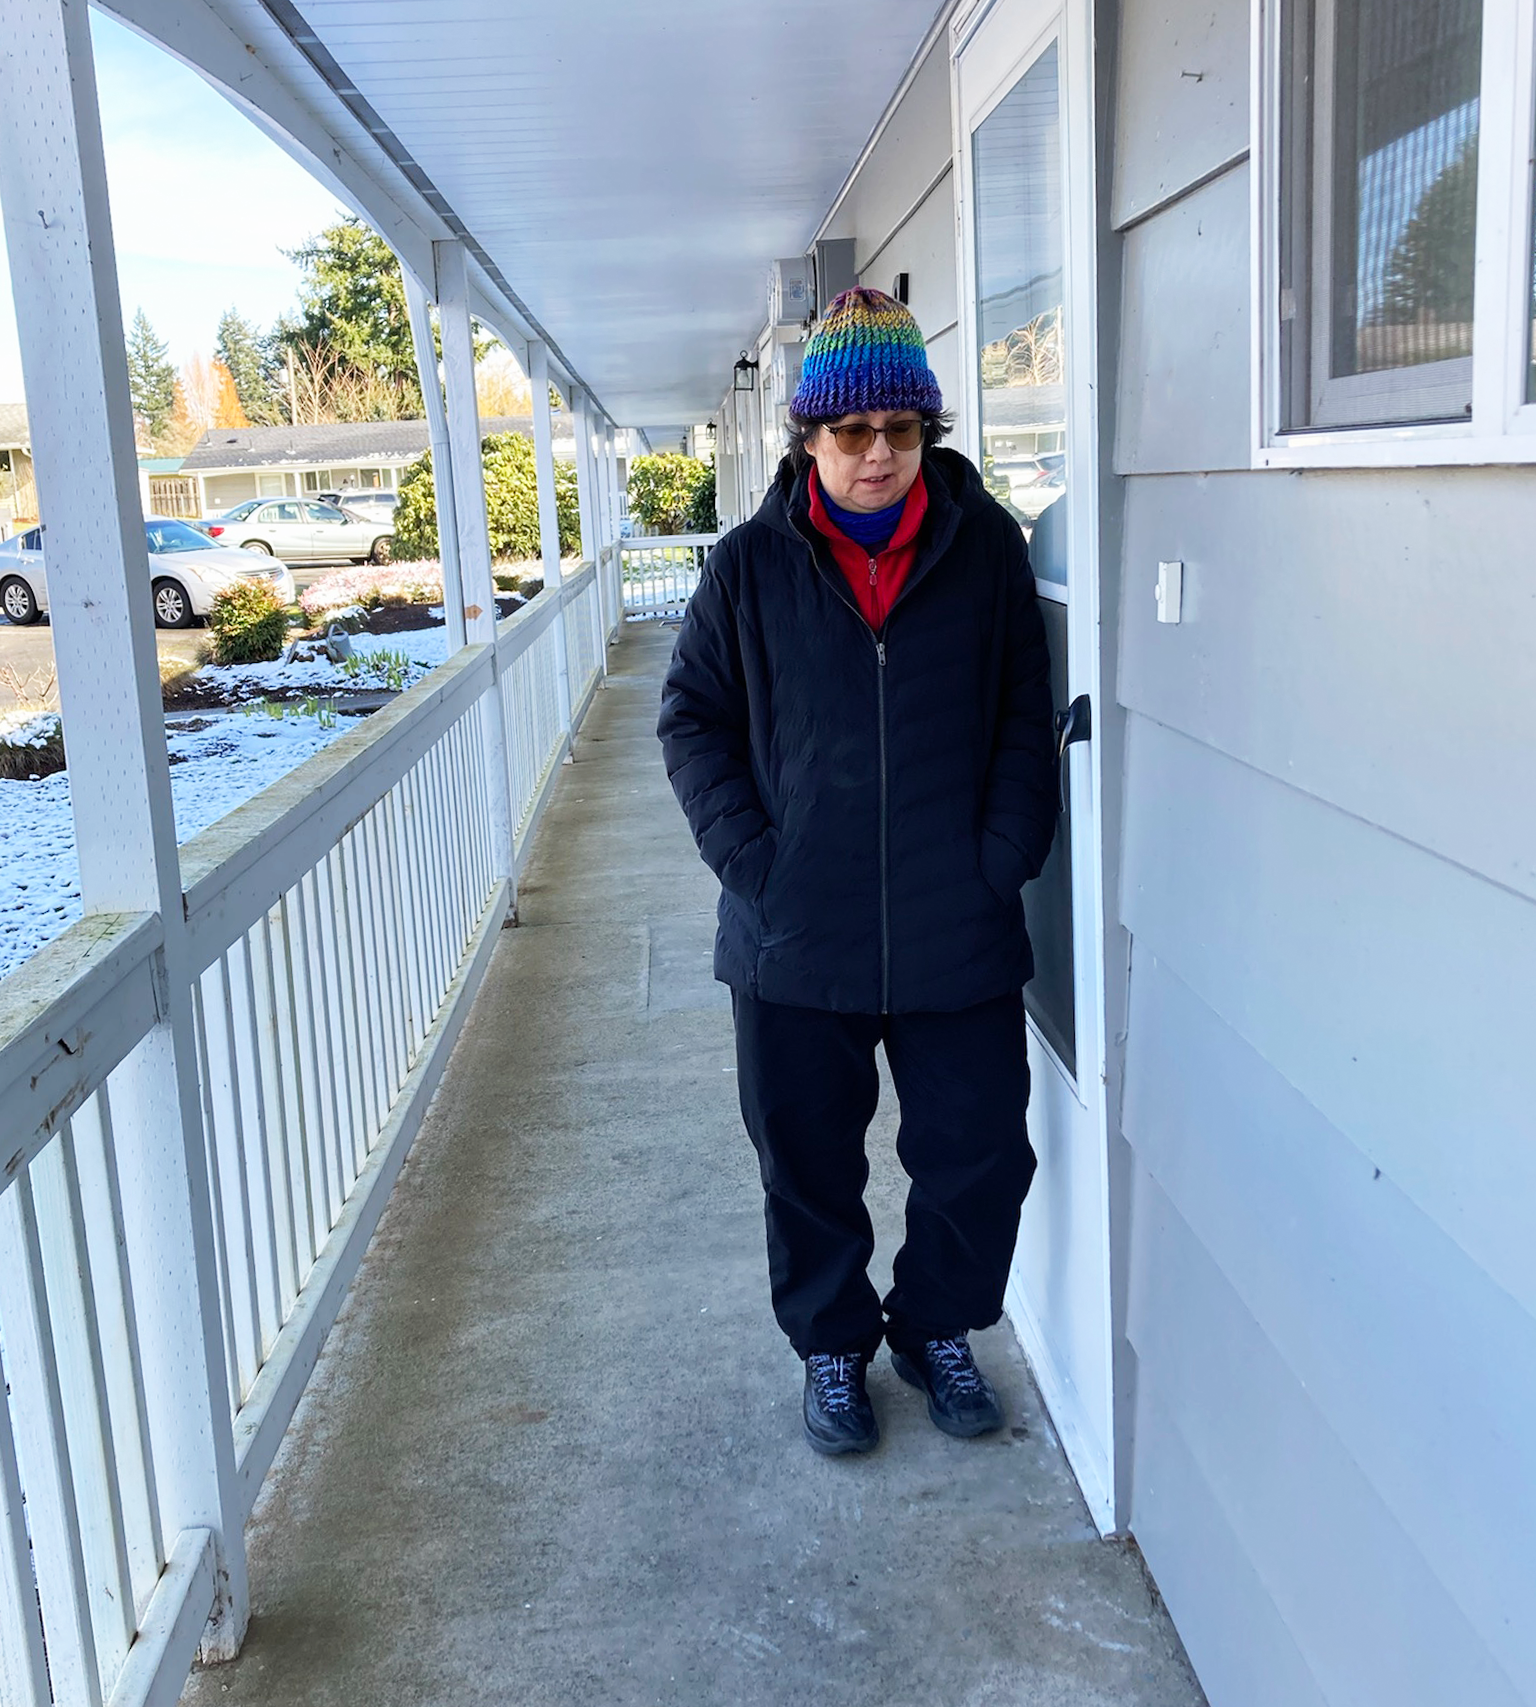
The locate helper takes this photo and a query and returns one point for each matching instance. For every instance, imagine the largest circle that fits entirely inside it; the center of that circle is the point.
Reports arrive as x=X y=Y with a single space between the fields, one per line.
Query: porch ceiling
x=630 y=168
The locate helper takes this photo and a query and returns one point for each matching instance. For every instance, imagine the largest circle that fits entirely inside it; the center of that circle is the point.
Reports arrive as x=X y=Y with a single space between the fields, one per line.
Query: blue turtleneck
x=872 y=529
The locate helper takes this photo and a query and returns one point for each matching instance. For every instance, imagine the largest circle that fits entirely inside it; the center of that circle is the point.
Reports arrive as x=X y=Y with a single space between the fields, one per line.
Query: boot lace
x=954 y=1364
x=835 y=1379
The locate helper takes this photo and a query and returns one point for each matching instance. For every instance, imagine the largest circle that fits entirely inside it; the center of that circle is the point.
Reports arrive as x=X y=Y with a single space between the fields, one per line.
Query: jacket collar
x=954 y=490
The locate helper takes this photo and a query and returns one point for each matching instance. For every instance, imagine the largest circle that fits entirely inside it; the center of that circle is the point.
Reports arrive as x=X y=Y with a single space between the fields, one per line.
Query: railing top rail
x=649 y=542
x=68 y=1015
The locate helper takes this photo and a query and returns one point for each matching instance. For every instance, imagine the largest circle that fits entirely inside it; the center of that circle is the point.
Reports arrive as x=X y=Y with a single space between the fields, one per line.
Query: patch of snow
x=213 y=769
x=423 y=649
x=19 y=728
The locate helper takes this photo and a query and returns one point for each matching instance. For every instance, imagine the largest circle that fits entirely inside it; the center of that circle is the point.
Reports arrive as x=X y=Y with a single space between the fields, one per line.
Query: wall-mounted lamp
x=746 y=374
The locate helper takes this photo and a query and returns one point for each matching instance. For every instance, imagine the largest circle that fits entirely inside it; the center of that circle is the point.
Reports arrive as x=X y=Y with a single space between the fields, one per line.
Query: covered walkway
x=551 y=1452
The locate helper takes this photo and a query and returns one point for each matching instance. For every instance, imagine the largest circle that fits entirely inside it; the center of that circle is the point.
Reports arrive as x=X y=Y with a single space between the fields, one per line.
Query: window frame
x=1502 y=426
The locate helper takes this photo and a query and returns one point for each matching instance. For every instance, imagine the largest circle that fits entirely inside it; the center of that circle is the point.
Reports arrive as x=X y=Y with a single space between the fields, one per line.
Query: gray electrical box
x=791 y=296
x=833 y=257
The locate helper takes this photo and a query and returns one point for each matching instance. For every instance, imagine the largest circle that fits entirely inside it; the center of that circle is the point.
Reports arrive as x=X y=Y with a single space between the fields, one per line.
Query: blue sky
x=202 y=203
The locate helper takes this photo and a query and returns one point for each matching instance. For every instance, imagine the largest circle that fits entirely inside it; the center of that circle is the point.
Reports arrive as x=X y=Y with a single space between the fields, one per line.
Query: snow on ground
x=422 y=648
x=213 y=769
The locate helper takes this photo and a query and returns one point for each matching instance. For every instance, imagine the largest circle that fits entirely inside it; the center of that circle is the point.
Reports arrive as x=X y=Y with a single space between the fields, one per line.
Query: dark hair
x=935 y=427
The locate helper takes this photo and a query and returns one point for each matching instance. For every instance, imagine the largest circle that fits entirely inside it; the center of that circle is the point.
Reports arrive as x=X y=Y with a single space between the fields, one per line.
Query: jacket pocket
x=1002 y=867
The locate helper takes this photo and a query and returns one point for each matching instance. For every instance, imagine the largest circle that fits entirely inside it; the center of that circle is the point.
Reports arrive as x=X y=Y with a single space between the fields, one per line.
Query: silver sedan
x=299 y=530
x=186 y=574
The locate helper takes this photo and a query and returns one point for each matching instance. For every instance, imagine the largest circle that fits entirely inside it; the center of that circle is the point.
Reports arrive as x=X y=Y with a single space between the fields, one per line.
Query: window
x=1020 y=306
x=1397 y=273
x=318 y=480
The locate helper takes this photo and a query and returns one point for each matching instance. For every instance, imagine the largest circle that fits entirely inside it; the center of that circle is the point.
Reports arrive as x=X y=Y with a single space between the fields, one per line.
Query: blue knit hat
x=867 y=354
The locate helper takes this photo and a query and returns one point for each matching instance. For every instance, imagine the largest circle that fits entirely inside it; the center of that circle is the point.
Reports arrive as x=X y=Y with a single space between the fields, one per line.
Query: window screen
x=1377 y=261
x=1530 y=348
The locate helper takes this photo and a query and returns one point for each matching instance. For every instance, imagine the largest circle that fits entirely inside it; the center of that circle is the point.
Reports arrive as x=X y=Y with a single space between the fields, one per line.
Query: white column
x=585 y=494
x=442 y=456
x=474 y=541
x=549 y=518
x=591 y=535
x=58 y=230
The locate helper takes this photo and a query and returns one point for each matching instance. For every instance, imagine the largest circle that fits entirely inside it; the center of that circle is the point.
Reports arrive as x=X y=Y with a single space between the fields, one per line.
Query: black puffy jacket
x=871 y=803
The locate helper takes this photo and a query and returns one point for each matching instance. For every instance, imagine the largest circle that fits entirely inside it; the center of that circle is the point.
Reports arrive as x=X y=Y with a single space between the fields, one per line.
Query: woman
x=857 y=723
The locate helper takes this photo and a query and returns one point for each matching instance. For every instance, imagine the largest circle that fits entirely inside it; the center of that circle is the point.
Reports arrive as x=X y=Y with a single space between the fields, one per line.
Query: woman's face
x=871 y=479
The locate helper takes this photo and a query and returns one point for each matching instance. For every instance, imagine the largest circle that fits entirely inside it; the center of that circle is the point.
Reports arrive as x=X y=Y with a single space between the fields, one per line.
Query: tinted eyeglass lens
x=856 y=437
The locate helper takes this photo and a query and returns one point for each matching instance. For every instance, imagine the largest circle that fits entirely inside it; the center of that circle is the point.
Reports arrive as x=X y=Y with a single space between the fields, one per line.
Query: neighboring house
x=18 y=488
x=167 y=491
x=230 y=464
x=1276 y=1274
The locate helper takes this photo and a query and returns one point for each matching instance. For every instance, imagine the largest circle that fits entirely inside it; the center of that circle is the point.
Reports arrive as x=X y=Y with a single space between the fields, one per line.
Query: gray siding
x=1184 y=345
x=1327 y=867
x=1182 y=99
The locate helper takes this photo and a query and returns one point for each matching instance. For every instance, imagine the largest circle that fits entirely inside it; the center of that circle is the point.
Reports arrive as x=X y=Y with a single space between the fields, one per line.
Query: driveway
x=26 y=659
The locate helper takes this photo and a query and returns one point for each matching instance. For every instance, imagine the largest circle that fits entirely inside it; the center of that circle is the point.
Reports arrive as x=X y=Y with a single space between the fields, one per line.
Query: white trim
x=973 y=99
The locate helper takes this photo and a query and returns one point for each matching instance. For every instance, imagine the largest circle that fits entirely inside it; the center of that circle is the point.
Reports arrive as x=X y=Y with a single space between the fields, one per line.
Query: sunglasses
x=855 y=437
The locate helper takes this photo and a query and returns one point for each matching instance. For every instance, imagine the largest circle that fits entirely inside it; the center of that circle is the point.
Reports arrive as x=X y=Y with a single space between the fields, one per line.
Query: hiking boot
x=838 y=1415
x=961 y=1400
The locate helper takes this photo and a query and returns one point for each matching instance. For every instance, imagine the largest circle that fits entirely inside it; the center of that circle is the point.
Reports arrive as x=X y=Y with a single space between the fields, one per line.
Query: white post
x=474 y=541
x=591 y=532
x=442 y=457
x=585 y=495
x=549 y=519
x=58 y=230
x=611 y=499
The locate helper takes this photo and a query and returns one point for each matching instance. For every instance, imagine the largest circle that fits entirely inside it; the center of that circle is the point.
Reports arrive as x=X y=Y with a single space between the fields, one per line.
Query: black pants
x=809 y=1086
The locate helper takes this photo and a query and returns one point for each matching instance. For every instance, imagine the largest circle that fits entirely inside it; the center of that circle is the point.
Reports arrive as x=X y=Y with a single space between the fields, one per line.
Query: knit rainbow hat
x=867 y=354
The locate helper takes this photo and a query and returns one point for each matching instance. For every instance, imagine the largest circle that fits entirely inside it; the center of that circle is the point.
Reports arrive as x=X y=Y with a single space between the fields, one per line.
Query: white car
x=300 y=530
x=186 y=573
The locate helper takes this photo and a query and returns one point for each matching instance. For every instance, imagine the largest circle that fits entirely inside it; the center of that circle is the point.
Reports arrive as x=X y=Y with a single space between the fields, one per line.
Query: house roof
x=336 y=442
x=15 y=434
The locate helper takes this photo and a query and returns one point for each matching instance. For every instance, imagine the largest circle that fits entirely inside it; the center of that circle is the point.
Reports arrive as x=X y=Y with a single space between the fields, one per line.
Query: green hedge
x=248 y=624
x=672 y=493
x=511 y=503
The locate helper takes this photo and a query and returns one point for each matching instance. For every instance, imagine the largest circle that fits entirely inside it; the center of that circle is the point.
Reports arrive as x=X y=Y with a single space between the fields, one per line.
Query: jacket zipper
x=885 y=891
x=885 y=894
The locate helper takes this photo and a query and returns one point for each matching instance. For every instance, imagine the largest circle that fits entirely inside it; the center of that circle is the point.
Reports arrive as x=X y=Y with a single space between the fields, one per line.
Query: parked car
x=186 y=573
x=300 y=530
x=376 y=506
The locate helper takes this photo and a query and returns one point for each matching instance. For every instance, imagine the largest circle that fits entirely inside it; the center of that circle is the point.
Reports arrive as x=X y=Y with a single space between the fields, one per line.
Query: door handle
x=1072 y=725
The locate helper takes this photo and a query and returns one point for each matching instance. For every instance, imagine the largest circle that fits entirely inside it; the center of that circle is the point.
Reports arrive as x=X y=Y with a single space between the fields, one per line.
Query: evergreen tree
x=253 y=368
x=352 y=313
x=151 y=377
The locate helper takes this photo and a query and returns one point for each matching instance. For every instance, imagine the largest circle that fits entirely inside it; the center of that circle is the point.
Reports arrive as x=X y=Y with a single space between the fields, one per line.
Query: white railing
x=660 y=575
x=339 y=924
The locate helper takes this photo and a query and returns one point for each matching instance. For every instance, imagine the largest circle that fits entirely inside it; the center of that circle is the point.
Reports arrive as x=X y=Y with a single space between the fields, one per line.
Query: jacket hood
x=949 y=476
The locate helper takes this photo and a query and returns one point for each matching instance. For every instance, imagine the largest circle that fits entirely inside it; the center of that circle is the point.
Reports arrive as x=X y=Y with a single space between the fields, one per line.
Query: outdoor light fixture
x=746 y=374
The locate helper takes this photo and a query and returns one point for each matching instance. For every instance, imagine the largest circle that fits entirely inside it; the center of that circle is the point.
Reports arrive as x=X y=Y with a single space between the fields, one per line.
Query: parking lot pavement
x=26 y=658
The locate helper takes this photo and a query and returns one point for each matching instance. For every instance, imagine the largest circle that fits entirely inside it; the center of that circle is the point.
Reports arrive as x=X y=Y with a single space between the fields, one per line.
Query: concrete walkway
x=551 y=1454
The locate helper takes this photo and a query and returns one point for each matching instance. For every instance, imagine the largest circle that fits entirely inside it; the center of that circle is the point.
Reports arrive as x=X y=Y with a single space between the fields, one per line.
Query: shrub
x=511 y=502
x=248 y=624
x=663 y=488
x=702 y=516
x=370 y=584
x=30 y=746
